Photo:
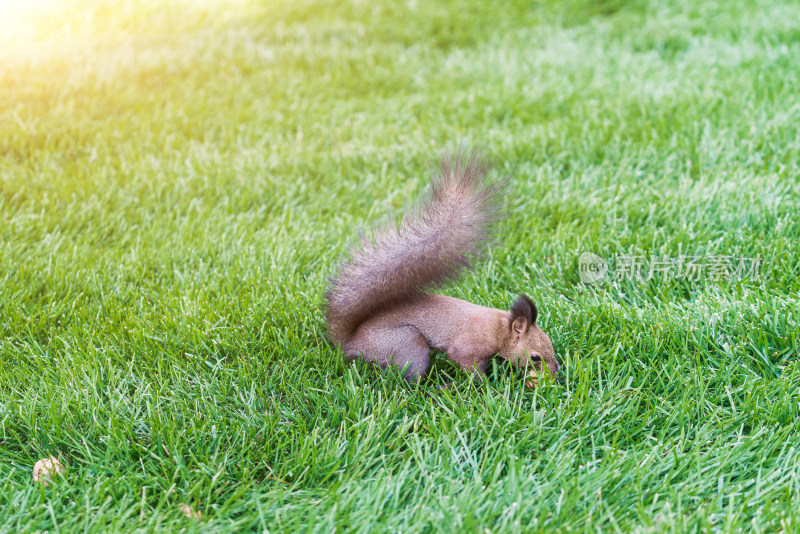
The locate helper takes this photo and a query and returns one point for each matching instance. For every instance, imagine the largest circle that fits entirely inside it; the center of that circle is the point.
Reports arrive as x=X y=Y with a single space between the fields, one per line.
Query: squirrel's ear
x=519 y=325
x=523 y=314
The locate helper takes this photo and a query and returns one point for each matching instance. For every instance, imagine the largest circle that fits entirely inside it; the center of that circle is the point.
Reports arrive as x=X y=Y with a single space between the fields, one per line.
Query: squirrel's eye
x=536 y=357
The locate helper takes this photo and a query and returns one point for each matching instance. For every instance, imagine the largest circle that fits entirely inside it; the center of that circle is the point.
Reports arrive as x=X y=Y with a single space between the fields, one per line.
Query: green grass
x=177 y=182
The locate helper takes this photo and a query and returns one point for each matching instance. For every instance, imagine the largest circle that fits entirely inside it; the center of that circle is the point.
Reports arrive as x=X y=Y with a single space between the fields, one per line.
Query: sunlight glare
x=18 y=18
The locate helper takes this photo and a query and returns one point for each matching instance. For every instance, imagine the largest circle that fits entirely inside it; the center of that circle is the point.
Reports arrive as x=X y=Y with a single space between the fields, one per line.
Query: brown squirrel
x=377 y=306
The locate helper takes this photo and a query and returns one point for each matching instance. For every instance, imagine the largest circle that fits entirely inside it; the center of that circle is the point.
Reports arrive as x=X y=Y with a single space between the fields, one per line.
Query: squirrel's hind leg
x=402 y=346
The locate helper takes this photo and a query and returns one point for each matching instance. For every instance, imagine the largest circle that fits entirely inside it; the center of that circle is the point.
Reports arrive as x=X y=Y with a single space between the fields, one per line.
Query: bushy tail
x=431 y=245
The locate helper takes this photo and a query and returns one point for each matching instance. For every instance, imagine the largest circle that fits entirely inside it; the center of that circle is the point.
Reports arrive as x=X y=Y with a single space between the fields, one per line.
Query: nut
x=44 y=469
x=534 y=379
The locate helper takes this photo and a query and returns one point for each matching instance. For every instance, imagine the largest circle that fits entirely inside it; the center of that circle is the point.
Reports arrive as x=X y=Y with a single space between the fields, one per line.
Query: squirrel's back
x=430 y=246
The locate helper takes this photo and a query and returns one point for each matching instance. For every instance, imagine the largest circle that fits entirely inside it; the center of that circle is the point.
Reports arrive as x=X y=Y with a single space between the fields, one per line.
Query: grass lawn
x=178 y=180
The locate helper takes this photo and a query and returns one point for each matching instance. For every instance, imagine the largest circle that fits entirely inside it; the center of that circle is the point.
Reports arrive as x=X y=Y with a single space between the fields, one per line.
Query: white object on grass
x=44 y=469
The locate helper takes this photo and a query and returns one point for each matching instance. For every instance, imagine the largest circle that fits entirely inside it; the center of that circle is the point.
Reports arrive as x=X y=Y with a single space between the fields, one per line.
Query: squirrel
x=378 y=308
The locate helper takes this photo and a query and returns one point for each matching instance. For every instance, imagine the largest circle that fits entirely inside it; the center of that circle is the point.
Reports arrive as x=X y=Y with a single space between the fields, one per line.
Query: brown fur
x=378 y=309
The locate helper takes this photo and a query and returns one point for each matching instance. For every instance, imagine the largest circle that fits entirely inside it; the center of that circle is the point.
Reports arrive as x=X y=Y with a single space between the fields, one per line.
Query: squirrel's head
x=526 y=345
